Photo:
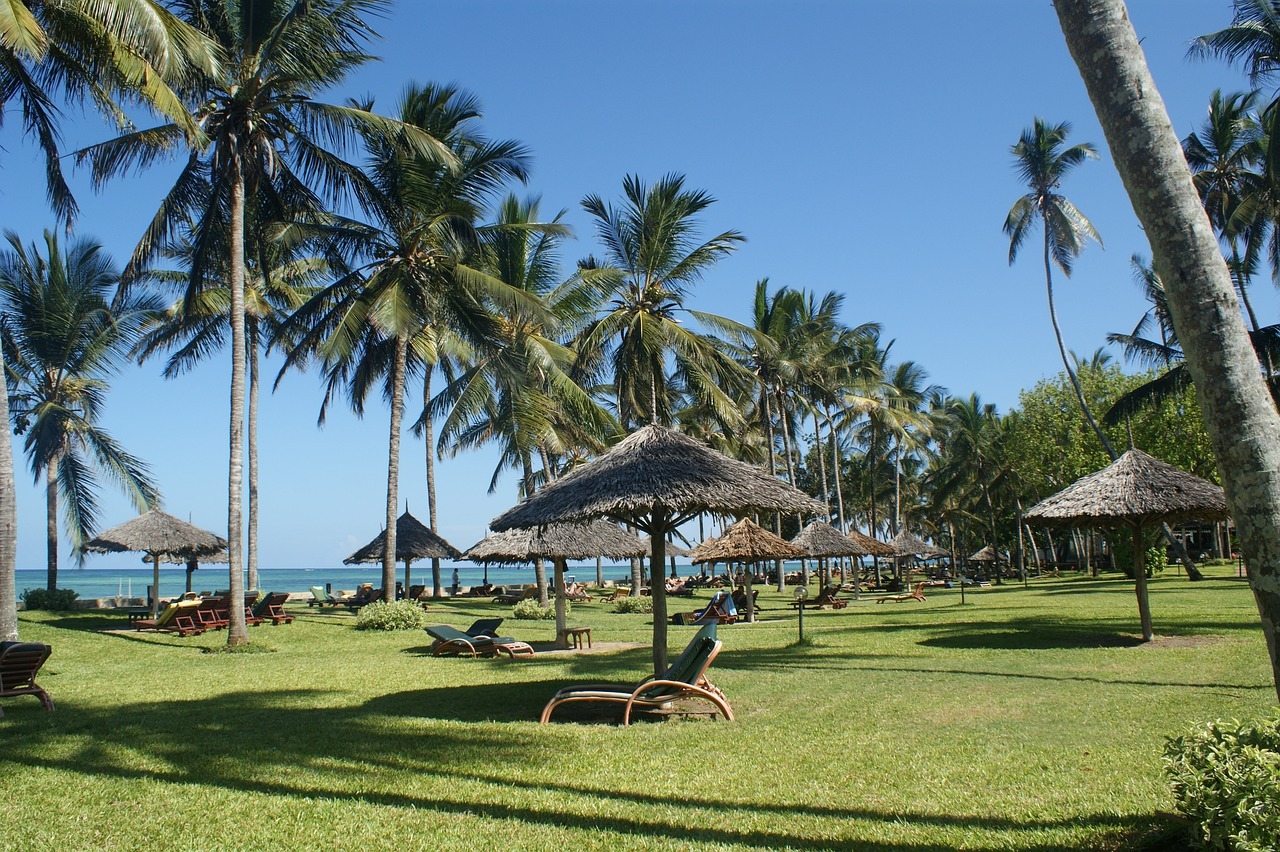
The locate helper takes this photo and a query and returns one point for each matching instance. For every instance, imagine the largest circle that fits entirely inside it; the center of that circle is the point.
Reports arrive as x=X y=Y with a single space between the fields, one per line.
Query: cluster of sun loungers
x=195 y=616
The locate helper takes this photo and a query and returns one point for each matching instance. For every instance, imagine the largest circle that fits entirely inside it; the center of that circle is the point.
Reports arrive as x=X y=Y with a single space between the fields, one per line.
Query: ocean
x=133 y=582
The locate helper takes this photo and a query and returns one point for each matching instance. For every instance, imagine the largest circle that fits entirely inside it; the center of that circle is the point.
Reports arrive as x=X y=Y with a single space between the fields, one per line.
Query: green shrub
x=1226 y=780
x=393 y=615
x=57 y=600
x=532 y=609
x=643 y=603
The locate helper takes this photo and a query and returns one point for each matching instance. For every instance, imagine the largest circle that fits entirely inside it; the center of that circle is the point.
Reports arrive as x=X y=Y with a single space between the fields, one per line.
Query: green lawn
x=1025 y=719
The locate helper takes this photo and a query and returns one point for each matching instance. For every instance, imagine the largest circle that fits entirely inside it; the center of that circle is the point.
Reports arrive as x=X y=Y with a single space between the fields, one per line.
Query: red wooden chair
x=19 y=664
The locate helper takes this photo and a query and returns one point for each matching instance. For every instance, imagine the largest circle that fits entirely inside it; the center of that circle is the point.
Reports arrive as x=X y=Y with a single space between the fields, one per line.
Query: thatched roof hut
x=747 y=541
x=987 y=554
x=819 y=540
x=1134 y=489
x=158 y=535
x=656 y=479
x=414 y=541
x=906 y=544
x=657 y=467
x=557 y=541
x=695 y=552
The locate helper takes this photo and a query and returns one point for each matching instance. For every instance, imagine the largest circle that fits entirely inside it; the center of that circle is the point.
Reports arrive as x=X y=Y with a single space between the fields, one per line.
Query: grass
x=1027 y=719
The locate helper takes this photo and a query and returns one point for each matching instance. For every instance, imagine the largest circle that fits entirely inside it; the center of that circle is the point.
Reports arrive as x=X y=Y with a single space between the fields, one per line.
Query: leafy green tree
x=266 y=132
x=62 y=341
x=418 y=280
x=1043 y=162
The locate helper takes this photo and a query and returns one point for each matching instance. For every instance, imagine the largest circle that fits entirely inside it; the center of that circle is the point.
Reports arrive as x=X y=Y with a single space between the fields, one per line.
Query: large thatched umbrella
x=414 y=541
x=986 y=554
x=822 y=541
x=1134 y=491
x=747 y=542
x=906 y=544
x=656 y=479
x=158 y=535
x=559 y=543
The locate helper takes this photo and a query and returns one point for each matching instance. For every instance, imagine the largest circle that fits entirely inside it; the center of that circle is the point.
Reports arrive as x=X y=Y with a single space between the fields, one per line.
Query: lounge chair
x=916 y=594
x=177 y=618
x=618 y=594
x=827 y=597
x=484 y=627
x=321 y=598
x=516 y=597
x=684 y=678
x=577 y=593
x=210 y=613
x=720 y=610
x=19 y=664
x=451 y=640
x=366 y=594
x=272 y=607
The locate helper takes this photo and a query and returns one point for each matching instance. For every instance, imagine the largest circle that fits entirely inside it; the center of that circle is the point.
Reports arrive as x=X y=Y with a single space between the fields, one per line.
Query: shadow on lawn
x=286 y=743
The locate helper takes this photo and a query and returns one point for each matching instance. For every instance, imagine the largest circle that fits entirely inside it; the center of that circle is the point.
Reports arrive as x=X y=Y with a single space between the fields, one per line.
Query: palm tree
x=1042 y=162
x=84 y=50
x=278 y=280
x=62 y=340
x=418 y=284
x=265 y=131
x=971 y=457
x=654 y=257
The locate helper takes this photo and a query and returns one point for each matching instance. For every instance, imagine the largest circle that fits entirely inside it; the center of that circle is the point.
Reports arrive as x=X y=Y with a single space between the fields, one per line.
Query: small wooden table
x=576 y=634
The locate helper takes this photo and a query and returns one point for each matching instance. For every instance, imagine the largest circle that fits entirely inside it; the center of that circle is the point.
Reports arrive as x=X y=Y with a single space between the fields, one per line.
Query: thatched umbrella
x=748 y=542
x=656 y=479
x=986 y=554
x=822 y=541
x=414 y=540
x=1134 y=491
x=673 y=550
x=158 y=535
x=906 y=544
x=559 y=543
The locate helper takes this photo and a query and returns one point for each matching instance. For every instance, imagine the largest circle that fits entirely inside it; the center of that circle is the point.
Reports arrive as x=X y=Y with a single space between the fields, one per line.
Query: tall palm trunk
x=393 y=468
x=835 y=466
x=1062 y=351
x=236 y=632
x=51 y=522
x=429 y=438
x=251 y=329
x=8 y=521
x=1238 y=410
x=822 y=464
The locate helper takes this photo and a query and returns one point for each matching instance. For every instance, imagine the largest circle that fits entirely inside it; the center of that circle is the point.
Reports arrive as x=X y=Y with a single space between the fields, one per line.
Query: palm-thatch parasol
x=986 y=554
x=158 y=535
x=656 y=479
x=414 y=540
x=906 y=544
x=822 y=541
x=557 y=542
x=1133 y=491
x=747 y=542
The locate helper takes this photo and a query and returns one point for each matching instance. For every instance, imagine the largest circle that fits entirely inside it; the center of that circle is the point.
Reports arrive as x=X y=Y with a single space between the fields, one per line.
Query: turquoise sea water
x=133 y=582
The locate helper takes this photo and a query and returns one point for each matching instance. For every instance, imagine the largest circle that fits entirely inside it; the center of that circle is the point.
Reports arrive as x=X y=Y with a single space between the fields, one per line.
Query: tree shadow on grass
x=288 y=743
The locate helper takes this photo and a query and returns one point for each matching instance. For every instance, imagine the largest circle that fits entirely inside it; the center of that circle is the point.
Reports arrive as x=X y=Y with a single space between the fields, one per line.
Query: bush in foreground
x=1226 y=779
x=57 y=600
x=643 y=603
x=532 y=609
x=393 y=615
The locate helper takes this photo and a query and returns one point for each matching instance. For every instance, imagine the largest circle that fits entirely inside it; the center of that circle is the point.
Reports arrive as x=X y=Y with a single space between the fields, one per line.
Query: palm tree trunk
x=822 y=464
x=393 y=469
x=1062 y=351
x=429 y=439
x=236 y=632
x=786 y=443
x=8 y=521
x=1238 y=410
x=251 y=330
x=51 y=522
x=871 y=480
x=835 y=467
x=540 y=577
x=562 y=600
x=658 y=529
x=1140 y=583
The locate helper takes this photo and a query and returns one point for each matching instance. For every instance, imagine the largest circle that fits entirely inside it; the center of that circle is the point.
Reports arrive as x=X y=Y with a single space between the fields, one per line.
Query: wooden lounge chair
x=19 y=664
x=321 y=598
x=618 y=594
x=827 y=597
x=210 y=613
x=451 y=640
x=484 y=627
x=272 y=607
x=684 y=678
x=516 y=597
x=917 y=594
x=177 y=618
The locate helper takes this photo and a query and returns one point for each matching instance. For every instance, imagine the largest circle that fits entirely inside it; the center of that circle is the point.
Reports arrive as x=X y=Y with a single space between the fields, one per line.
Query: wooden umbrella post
x=1140 y=582
x=562 y=617
x=155 y=585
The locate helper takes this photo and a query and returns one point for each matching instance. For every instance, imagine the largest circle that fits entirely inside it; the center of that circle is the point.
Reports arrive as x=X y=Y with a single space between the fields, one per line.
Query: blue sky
x=861 y=147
